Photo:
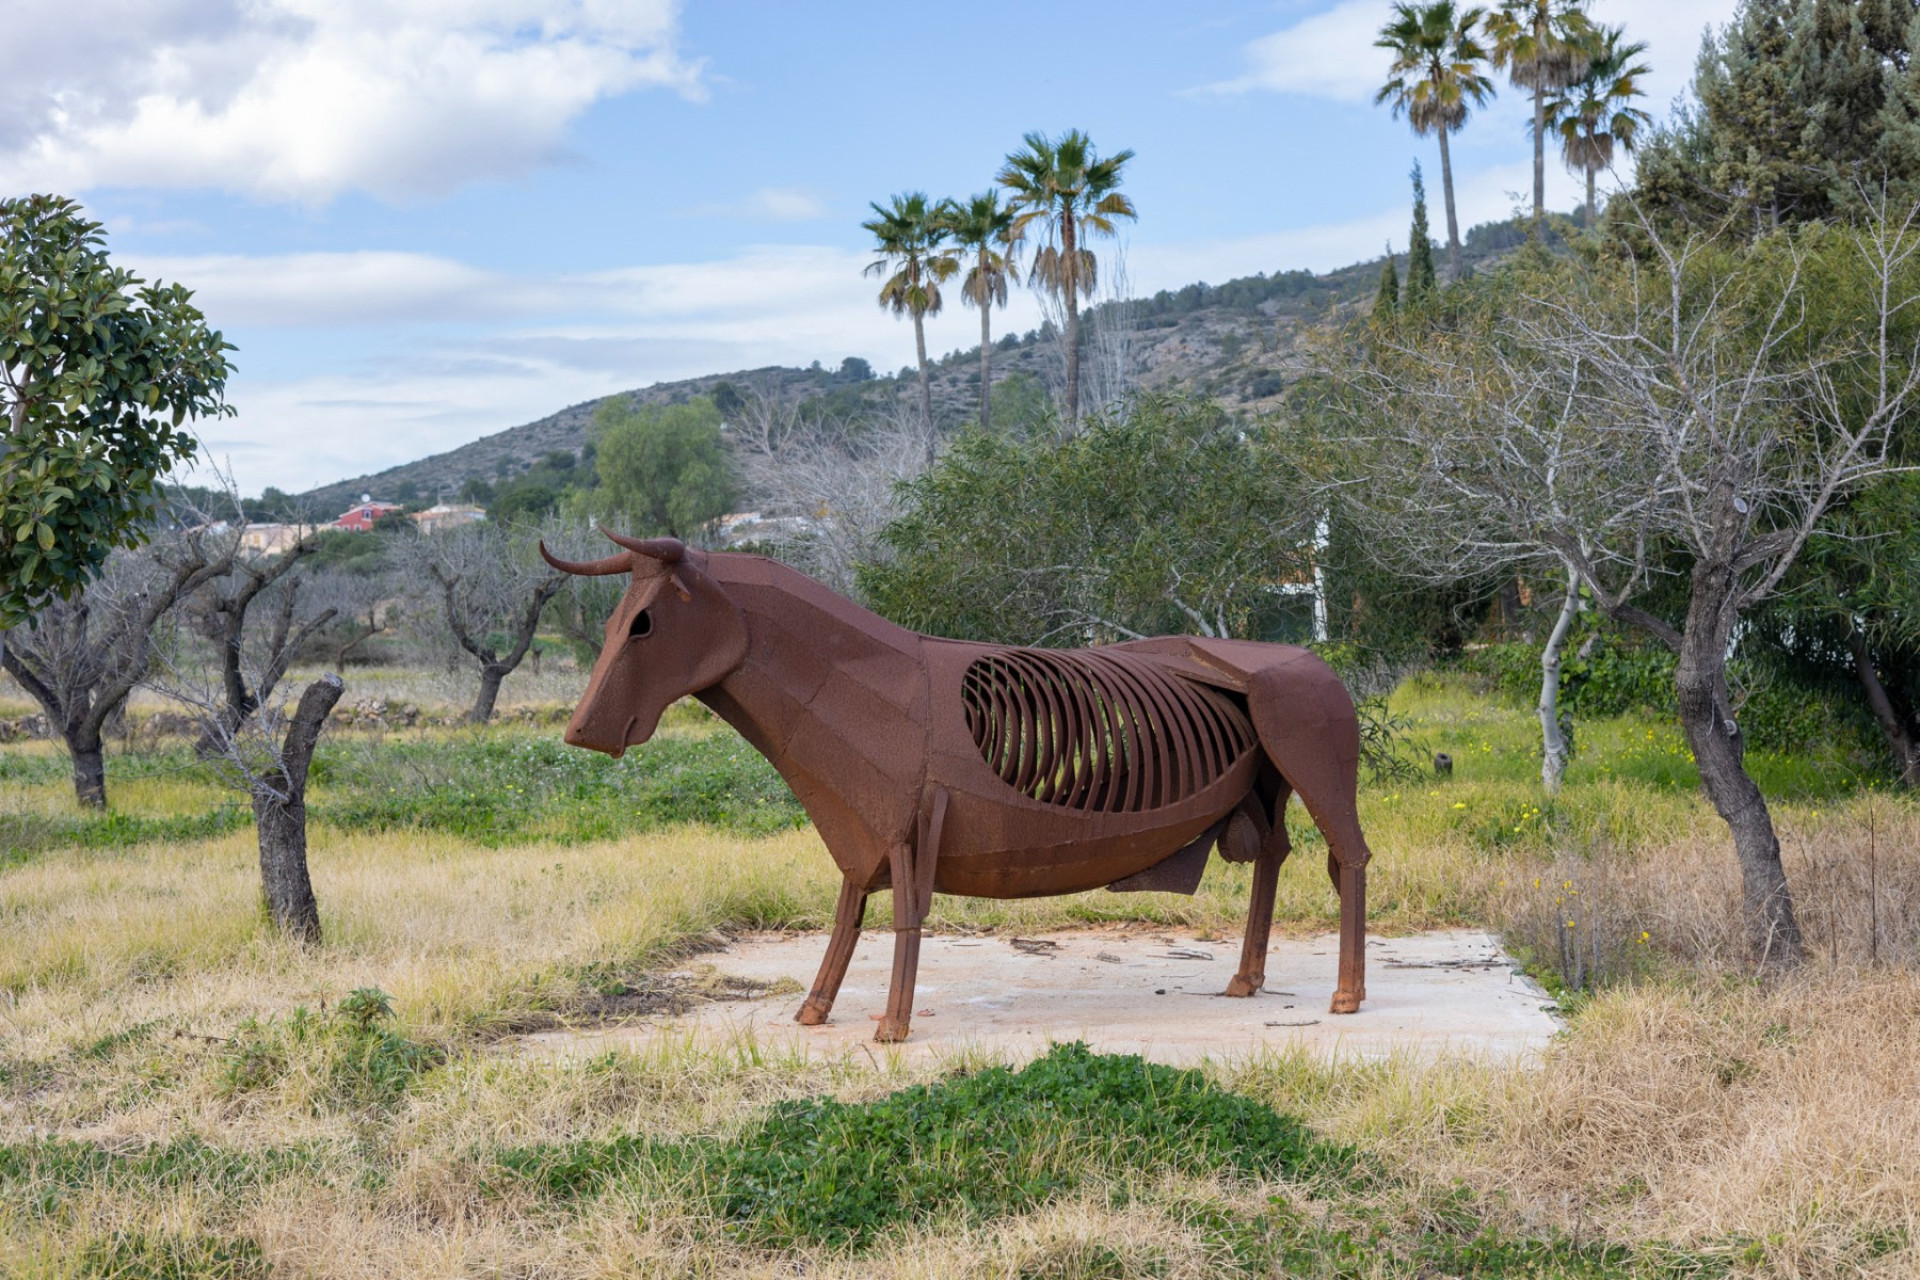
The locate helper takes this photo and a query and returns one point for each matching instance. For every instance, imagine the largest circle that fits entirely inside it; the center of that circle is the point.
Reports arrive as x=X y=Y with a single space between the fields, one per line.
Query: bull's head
x=675 y=632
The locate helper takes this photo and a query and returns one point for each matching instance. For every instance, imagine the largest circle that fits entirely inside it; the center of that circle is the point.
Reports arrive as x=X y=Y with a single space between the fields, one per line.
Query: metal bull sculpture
x=939 y=765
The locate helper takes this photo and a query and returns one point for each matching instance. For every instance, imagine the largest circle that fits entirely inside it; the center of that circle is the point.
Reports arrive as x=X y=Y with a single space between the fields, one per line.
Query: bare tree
x=267 y=753
x=1697 y=396
x=223 y=606
x=80 y=658
x=363 y=606
x=830 y=488
x=491 y=588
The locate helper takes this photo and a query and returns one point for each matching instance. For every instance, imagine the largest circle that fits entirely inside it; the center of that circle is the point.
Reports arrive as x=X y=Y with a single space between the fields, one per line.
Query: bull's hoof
x=1347 y=1001
x=1245 y=986
x=813 y=1013
x=890 y=1031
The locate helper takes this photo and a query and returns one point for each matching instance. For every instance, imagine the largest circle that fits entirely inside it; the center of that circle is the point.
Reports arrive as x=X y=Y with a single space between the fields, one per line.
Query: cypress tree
x=1387 y=300
x=1421 y=283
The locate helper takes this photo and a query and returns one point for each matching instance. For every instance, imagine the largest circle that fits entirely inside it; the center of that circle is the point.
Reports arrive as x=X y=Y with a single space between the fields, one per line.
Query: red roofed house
x=360 y=519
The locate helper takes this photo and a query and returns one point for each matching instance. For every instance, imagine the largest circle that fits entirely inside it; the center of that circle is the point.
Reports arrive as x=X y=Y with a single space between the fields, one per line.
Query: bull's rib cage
x=1100 y=732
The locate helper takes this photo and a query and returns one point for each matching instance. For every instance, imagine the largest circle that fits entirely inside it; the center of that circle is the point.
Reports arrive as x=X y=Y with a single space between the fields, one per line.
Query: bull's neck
x=831 y=693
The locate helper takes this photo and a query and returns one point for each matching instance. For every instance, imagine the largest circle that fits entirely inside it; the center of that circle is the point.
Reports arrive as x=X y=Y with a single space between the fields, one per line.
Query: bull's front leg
x=911 y=864
x=847 y=915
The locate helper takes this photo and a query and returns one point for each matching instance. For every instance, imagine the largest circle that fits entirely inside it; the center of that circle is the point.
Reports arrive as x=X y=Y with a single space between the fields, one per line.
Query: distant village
x=362 y=517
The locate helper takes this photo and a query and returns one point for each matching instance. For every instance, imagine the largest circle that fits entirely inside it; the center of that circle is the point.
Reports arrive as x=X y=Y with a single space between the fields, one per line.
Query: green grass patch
x=502 y=786
x=820 y=1171
x=38 y=1176
x=136 y=1255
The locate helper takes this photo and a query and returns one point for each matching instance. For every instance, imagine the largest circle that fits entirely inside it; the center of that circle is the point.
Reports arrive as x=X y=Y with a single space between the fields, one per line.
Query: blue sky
x=422 y=221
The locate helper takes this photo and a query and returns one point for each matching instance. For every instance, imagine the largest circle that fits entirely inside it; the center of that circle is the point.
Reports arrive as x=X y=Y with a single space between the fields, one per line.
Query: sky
x=424 y=221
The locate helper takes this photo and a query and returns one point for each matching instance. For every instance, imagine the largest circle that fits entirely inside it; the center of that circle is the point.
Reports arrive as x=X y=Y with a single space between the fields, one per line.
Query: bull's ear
x=678 y=585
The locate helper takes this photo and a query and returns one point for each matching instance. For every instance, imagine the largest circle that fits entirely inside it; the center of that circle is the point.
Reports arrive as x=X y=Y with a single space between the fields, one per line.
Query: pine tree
x=1420 y=276
x=1803 y=104
x=1387 y=300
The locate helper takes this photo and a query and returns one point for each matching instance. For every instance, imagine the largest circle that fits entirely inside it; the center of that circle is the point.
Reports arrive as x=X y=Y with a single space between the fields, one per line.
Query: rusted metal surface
x=932 y=765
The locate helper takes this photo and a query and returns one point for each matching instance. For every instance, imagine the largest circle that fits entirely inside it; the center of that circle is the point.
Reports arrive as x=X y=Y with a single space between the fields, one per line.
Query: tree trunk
x=1454 y=259
x=1539 y=152
x=986 y=367
x=89 y=767
x=1591 y=212
x=490 y=677
x=1071 y=278
x=280 y=816
x=1706 y=717
x=926 y=384
x=1906 y=750
x=1553 y=743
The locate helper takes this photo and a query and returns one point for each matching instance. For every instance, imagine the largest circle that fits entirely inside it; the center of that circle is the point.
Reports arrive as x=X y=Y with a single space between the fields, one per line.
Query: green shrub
x=350 y=1061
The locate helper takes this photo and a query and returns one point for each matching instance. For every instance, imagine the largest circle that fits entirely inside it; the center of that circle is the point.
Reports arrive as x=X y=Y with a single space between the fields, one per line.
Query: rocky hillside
x=1235 y=341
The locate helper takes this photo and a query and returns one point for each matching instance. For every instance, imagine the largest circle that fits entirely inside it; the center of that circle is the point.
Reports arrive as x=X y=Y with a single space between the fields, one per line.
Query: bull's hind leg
x=1306 y=722
x=847 y=914
x=1266 y=876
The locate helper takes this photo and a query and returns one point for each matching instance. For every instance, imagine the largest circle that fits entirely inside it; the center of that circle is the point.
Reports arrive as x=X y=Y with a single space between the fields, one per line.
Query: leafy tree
x=1170 y=519
x=983 y=229
x=1436 y=83
x=663 y=469
x=1543 y=46
x=99 y=370
x=1420 y=275
x=1596 y=115
x=910 y=237
x=1071 y=195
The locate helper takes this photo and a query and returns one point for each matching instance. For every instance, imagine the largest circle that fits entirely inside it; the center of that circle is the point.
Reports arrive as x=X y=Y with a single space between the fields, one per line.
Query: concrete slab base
x=1152 y=993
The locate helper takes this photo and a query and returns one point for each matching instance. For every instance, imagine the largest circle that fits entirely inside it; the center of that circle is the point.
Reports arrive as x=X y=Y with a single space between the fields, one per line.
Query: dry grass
x=1773 y=1127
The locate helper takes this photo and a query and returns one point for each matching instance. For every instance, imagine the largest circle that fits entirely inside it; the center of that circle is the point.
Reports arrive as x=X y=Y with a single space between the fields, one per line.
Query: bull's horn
x=588 y=568
x=665 y=550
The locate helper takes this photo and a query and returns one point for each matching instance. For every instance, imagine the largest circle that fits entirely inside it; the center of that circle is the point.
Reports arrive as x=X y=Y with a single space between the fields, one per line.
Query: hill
x=1235 y=341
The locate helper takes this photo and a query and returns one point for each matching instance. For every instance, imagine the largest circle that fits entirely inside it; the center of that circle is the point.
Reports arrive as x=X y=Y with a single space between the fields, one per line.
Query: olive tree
x=489 y=587
x=1675 y=398
x=80 y=657
x=99 y=372
x=267 y=753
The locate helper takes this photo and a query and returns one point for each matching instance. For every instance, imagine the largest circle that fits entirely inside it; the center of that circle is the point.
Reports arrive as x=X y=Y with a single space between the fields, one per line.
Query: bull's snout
x=597 y=733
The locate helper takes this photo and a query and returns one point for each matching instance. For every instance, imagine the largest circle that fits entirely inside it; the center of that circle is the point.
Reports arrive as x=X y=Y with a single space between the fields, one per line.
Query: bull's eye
x=641 y=626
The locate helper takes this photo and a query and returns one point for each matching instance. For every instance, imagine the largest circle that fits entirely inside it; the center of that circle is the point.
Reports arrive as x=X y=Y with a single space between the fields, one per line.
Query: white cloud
x=769 y=204
x=1331 y=54
x=305 y=99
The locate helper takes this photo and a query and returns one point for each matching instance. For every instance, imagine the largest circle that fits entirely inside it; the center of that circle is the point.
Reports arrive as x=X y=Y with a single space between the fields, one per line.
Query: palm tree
x=1436 y=82
x=910 y=237
x=983 y=227
x=1072 y=194
x=1594 y=116
x=1543 y=46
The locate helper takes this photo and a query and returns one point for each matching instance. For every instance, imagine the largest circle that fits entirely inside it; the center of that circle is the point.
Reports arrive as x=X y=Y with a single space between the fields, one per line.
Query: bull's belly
x=993 y=849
